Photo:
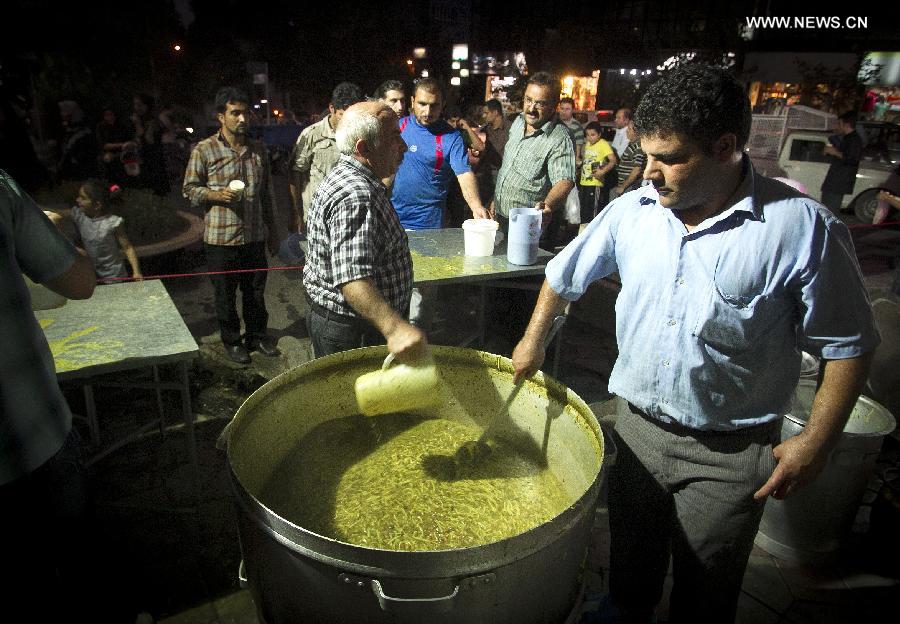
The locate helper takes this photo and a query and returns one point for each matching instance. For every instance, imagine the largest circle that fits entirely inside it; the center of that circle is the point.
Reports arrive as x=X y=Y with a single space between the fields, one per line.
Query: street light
x=177 y=47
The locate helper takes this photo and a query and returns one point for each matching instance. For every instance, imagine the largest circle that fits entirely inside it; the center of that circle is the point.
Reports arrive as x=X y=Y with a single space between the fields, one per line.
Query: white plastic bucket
x=479 y=236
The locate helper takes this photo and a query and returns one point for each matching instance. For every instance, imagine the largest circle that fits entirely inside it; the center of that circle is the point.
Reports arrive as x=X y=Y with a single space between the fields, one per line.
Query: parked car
x=802 y=158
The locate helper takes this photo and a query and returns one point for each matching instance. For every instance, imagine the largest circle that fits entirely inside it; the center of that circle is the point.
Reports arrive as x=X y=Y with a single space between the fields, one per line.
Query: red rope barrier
x=172 y=275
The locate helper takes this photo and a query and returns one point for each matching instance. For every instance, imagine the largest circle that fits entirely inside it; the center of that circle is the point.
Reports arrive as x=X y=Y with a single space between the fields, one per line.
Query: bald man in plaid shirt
x=358 y=275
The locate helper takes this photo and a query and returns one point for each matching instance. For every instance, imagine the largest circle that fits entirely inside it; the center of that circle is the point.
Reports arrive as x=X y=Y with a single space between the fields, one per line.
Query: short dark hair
x=627 y=113
x=567 y=100
x=494 y=104
x=346 y=95
x=546 y=79
x=594 y=125
x=452 y=111
x=229 y=94
x=849 y=118
x=699 y=101
x=389 y=85
x=430 y=85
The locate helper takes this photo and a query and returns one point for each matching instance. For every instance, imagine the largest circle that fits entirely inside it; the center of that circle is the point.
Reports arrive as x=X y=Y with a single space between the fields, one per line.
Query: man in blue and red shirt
x=435 y=152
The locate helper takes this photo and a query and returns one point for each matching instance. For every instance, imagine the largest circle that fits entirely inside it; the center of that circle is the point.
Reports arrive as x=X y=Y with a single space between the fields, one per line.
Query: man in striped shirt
x=538 y=169
x=239 y=223
x=358 y=275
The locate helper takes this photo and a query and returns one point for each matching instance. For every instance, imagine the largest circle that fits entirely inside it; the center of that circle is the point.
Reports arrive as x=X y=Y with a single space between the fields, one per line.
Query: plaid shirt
x=213 y=164
x=533 y=164
x=354 y=233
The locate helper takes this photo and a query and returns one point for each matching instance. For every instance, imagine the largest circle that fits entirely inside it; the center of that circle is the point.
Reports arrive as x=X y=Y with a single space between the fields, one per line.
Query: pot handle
x=389 y=602
x=388 y=361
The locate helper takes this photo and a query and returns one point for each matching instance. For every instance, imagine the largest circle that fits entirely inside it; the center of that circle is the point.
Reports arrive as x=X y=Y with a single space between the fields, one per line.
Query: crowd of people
x=726 y=276
x=147 y=150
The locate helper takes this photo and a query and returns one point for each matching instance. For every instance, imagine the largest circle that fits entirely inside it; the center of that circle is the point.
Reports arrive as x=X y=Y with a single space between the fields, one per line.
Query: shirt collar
x=225 y=142
x=744 y=198
x=547 y=128
x=352 y=162
x=327 y=130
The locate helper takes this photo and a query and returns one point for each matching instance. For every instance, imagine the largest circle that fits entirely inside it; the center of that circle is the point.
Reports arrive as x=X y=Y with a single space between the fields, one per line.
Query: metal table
x=122 y=327
x=439 y=258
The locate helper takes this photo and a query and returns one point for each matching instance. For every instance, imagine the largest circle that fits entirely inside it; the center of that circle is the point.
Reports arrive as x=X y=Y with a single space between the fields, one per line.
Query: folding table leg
x=91 y=408
x=159 y=402
x=189 y=426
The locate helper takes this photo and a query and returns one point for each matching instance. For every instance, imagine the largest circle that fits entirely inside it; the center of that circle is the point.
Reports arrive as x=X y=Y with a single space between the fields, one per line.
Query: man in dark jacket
x=845 y=150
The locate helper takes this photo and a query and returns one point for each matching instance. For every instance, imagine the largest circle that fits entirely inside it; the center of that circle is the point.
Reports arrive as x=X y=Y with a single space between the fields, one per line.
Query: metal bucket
x=808 y=526
x=296 y=575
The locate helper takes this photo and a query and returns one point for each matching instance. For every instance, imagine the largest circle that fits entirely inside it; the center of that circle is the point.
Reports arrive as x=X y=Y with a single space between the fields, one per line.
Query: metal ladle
x=471 y=453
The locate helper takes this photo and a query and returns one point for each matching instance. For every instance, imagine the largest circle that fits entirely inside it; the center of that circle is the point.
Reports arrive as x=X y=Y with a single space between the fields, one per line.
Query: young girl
x=102 y=233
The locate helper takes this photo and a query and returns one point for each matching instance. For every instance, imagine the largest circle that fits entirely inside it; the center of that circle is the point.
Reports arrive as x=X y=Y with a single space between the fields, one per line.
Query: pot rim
x=403 y=564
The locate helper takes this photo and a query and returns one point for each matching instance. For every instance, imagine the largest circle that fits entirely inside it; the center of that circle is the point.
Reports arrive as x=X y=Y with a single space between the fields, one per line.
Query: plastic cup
x=479 y=235
x=237 y=187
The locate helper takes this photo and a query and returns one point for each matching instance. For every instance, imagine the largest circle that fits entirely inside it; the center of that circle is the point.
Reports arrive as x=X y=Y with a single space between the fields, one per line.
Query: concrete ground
x=180 y=556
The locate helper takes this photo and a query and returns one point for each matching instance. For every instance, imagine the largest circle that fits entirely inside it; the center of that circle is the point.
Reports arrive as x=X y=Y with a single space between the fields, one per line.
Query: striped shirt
x=577 y=130
x=533 y=164
x=213 y=164
x=354 y=233
x=632 y=157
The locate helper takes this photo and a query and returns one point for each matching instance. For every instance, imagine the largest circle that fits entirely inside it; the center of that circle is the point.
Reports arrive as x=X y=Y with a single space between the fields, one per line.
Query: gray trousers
x=689 y=495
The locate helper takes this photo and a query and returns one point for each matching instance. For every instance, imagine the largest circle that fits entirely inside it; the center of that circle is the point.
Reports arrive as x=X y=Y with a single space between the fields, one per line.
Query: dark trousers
x=252 y=285
x=50 y=561
x=689 y=495
x=832 y=201
x=588 y=198
x=330 y=332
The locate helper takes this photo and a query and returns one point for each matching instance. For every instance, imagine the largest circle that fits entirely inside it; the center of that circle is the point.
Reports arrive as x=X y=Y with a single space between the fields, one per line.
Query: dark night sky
x=107 y=49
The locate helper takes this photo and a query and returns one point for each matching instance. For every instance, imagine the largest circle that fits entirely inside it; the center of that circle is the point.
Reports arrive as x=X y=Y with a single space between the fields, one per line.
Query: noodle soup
x=382 y=482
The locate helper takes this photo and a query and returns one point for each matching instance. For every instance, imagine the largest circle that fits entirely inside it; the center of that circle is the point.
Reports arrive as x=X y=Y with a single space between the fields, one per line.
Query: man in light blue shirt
x=726 y=277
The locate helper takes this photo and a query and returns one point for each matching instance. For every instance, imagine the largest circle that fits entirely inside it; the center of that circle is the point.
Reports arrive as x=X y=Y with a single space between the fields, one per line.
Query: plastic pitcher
x=524 y=235
x=479 y=236
x=401 y=388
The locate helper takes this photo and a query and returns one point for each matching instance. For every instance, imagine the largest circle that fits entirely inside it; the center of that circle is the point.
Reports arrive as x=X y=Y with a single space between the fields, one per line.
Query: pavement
x=180 y=553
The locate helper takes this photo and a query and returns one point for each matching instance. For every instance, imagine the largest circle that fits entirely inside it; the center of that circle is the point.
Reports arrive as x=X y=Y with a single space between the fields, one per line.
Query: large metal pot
x=296 y=575
x=809 y=526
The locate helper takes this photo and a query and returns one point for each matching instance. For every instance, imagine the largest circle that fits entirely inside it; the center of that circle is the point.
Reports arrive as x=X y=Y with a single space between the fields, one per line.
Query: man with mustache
x=239 y=224
x=538 y=168
x=726 y=277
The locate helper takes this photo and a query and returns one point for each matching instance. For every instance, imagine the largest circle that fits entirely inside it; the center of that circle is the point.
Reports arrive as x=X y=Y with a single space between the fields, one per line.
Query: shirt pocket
x=736 y=323
x=531 y=168
x=324 y=158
